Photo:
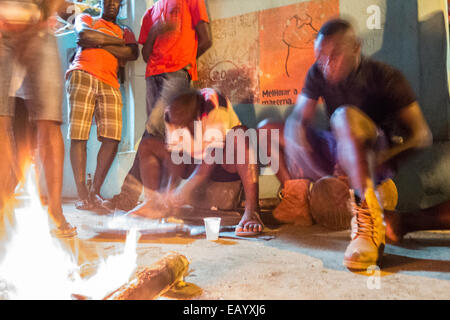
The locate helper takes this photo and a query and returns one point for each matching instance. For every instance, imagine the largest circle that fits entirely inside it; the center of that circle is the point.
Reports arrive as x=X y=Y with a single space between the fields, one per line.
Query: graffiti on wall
x=231 y=65
x=299 y=33
x=263 y=57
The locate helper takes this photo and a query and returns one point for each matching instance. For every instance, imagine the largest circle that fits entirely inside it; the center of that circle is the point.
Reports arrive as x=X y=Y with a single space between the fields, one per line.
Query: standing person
x=93 y=88
x=174 y=34
x=26 y=39
x=365 y=101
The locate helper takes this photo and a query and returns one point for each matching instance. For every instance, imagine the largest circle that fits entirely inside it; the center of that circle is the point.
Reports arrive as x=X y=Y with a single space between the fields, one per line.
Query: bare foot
x=250 y=224
x=57 y=217
x=394 y=230
x=147 y=210
x=64 y=231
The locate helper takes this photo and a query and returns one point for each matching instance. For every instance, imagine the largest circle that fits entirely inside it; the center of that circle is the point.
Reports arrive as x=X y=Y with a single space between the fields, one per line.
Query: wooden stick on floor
x=154 y=281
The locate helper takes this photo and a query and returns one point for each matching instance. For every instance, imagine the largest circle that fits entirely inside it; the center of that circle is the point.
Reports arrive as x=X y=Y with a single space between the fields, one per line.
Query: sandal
x=83 y=204
x=64 y=231
x=99 y=204
x=96 y=200
x=240 y=232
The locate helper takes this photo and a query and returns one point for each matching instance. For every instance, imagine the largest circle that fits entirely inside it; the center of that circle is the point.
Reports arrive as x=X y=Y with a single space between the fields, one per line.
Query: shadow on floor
x=423 y=257
x=397 y=264
x=422 y=254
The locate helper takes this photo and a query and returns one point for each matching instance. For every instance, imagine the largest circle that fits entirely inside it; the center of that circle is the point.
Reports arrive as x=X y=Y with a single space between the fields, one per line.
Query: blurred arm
x=129 y=52
x=296 y=129
x=420 y=136
x=158 y=29
x=90 y=38
x=204 y=37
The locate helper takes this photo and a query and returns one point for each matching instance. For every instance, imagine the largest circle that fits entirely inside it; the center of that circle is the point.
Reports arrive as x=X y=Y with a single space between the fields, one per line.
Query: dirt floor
x=288 y=263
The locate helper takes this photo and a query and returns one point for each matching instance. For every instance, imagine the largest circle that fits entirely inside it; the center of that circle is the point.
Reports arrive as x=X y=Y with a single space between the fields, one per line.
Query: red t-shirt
x=177 y=49
x=99 y=62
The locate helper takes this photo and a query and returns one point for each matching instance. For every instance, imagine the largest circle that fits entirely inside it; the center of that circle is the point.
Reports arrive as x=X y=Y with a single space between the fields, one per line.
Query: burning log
x=154 y=281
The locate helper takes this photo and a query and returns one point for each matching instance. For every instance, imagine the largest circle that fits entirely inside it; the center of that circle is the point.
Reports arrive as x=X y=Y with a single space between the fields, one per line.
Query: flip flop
x=65 y=231
x=243 y=233
x=247 y=233
x=98 y=203
x=83 y=204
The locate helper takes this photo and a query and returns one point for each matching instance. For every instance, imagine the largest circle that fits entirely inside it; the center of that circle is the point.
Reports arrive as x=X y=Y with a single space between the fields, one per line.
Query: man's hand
x=123 y=53
x=177 y=197
x=412 y=119
x=86 y=44
x=163 y=27
x=160 y=28
x=296 y=129
x=204 y=37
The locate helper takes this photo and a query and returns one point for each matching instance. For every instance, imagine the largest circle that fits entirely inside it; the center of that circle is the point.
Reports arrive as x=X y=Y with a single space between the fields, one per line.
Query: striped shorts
x=89 y=96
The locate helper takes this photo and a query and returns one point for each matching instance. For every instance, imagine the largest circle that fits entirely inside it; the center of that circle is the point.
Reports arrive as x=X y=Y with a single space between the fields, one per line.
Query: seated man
x=364 y=100
x=222 y=137
x=174 y=34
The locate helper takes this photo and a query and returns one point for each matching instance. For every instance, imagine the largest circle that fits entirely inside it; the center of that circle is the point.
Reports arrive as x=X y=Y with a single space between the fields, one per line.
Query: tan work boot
x=294 y=205
x=368 y=233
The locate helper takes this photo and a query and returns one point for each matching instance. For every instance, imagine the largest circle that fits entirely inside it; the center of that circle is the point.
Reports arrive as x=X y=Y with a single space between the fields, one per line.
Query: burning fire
x=36 y=265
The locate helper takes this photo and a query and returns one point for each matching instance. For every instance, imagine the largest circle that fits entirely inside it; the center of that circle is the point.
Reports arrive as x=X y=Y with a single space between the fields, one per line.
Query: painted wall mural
x=263 y=57
x=231 y=65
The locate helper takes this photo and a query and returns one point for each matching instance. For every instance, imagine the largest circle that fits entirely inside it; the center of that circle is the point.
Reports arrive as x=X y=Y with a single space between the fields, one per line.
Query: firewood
x=152 y=282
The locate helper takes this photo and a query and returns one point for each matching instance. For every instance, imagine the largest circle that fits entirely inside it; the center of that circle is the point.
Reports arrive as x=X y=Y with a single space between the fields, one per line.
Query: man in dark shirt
x=222 y=134
x=365 y=101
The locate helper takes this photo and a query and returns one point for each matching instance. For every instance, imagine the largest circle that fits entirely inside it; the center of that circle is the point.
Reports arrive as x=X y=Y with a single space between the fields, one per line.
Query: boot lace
x=364 y=221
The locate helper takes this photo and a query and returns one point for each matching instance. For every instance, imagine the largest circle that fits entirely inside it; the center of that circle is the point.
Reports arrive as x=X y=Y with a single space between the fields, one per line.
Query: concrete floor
x=298 y=263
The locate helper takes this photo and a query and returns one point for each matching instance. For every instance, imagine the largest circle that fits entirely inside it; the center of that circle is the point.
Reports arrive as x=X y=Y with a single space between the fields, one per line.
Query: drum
x=329 y=202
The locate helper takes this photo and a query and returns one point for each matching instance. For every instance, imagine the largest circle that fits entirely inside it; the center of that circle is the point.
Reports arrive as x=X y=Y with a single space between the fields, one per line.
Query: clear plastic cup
x=212 y=227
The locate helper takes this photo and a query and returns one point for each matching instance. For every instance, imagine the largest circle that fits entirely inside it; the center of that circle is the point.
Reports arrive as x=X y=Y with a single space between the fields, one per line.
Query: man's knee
x=150 y=147
x=274 y=131
x=77 y=148
x=345 y=114
x=75 y=142
x=241 y=146
x=147 y=158
x=49 y=131
x=48 y=128
x=109 y=141
x=240 y=136
x=351 y=121
x=145 y=148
